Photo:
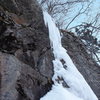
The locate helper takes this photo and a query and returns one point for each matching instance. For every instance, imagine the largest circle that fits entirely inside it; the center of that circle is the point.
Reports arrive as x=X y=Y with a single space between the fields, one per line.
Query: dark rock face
x=87 y=66
x=25 y=55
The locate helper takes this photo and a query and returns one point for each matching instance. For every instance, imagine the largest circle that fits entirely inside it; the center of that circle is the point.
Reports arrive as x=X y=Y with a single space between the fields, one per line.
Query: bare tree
x=89 y=33
x=62 y=11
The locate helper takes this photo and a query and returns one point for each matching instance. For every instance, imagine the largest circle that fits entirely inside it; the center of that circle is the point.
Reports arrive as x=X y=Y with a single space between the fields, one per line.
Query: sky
x=94 y=9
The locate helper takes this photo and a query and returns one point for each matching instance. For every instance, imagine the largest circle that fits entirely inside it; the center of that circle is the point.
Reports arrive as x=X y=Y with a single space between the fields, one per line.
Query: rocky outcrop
x=25 y=55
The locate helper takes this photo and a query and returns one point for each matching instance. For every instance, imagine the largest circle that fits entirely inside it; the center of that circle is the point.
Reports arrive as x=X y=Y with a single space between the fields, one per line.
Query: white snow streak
x=78 y=87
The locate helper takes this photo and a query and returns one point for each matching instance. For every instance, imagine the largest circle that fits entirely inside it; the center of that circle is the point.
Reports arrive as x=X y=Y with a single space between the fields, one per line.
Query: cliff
x=26 y=67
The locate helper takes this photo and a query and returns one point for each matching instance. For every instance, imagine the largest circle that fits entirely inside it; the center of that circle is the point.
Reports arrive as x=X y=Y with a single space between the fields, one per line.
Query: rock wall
x=25 y=55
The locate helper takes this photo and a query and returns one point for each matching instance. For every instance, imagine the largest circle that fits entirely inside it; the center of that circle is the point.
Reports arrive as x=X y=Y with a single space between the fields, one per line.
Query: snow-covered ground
x=65 y=72
x=59 y=93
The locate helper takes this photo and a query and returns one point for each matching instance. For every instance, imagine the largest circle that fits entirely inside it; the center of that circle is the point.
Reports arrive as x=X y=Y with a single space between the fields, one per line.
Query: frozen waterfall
x=76 y=88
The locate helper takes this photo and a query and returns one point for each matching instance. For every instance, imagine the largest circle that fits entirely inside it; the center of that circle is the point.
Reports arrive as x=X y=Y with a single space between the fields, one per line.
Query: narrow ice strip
x=78 y=87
